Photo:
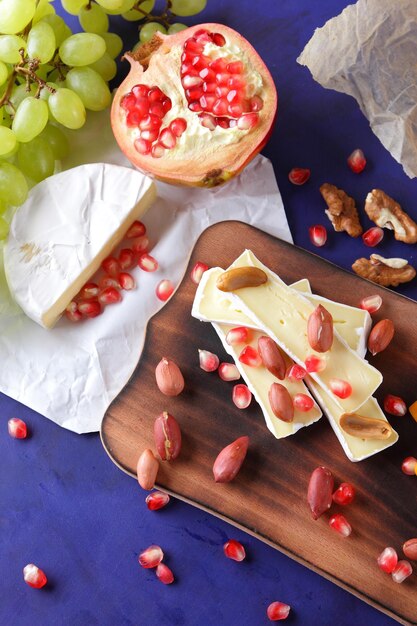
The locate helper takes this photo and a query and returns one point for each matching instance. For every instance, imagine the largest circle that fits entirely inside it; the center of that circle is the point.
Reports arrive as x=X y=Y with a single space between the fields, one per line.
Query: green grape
x=42 y=10
x=45 y=93
x=30 y=119
x=125 y=6
x=41 y=42
x=90 y=86
x=15 y=15
x=67 y=108
x=112 y=5
x=36 y=159
x=7 y=140
x=61 y=30
x=145 y=7
x=9 y=48
x=148 y=30
x=17 y=96
x=114 y=44
x=4 y=228
x=175 y=28
x=73 y=6
x=184 y=8
x=93 y=19
x=3 y=206
x=56 y=78
x=82 y=49
x=13 y=185
x=4 y=72
x=10 y=155
x=105 y=66
x=56 y=140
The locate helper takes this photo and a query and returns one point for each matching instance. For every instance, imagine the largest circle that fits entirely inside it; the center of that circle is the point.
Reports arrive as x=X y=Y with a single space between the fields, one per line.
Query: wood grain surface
x=268 y=497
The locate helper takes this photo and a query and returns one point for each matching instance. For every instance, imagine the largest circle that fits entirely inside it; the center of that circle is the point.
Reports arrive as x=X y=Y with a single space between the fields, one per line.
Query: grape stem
x=30 y=75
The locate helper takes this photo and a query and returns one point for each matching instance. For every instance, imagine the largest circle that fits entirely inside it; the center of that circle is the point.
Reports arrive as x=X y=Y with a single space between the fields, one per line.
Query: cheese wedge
x=68 y=225
x=282 y=313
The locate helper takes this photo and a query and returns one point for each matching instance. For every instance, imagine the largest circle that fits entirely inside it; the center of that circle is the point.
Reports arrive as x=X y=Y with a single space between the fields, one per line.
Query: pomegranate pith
x=184 y=95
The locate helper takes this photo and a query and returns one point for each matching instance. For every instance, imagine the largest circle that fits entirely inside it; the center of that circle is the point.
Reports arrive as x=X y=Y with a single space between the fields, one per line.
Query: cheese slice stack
x=69 y=224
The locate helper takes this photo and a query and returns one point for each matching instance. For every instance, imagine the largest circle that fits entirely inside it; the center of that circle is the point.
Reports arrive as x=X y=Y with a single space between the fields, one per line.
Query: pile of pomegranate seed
x=394 y=405
x=157 y=500
x=356 y=161
x=318 y=235
x=198 y=271
x=234 y=550
x=277 y=611
x=17 y=428
x=373 y=236
x=151 y=558
x=34 y=577
x=299 y=175
x=372 y=304
x=388 y=562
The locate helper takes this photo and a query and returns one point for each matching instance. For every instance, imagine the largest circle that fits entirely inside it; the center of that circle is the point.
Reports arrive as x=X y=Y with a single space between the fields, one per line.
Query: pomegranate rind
x=213 y=167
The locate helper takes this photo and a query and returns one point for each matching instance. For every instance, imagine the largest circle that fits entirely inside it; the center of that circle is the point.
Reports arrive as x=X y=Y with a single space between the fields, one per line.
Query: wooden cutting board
x=268 y=498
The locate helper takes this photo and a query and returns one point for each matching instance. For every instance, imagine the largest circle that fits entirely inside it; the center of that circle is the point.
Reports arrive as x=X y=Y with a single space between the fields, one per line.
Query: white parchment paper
x=71 y=373
x=369 y=51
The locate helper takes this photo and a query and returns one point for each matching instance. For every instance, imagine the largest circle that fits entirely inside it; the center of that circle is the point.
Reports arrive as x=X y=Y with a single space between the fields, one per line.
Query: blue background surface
x=67 y=508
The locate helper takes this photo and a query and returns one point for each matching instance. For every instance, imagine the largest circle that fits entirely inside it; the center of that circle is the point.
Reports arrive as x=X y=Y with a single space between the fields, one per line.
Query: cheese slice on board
x=68 y=225
x=282 y=313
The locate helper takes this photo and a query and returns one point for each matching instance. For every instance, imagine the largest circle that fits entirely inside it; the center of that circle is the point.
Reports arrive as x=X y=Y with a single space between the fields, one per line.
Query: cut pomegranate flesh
x=226 y=88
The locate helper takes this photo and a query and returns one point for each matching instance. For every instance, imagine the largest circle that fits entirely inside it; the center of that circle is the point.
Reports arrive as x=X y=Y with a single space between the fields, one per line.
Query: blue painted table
x=67 y=508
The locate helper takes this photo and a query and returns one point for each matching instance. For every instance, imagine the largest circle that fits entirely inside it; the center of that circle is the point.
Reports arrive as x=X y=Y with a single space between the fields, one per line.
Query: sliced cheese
x=282 y=313
x=68 y=225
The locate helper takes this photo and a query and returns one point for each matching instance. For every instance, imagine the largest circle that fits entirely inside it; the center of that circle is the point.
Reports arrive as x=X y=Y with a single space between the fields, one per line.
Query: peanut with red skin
x=380 y=336
x=168 y=377
x=229 y=460
x=281 y=402
x=320 y=491
x=272 y=357
x=410 y=549
x=147 y=469
x=167 y=436
x=320 y=329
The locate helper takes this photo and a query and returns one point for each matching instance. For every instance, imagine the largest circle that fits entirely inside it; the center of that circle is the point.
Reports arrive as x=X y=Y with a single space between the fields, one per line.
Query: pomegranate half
x=196 y=107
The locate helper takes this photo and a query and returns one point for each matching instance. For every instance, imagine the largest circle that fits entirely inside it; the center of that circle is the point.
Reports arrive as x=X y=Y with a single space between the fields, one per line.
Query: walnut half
x=387 y=213
x=385 y=272
x=341 y=210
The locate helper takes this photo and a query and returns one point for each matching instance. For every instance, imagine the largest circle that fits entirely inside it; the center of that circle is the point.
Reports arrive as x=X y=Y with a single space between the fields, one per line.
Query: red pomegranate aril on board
x=108 y=281
x=314 y=364
x=228 y=372
x=140 y=245
x=248 y=121
x=126 y=280
x=137 y=229
x=356 y=161
x=234 y=550
x=17 y=428
x=340 y=388
x=143 y=146
x=388 y=560
x=373 y=236
x=126 y=259
x=394 y=405
x=164 y=290
x=372 y=304
x=151 y=557
x=241 y=396
x=90 y=308
x=250 y=356
x=402 y=571
x=295 y=373
x=110 y=295
x=240 y=334
x=147 y=263
x=111 y=266
x=302 y=402
x=209 y=362
x=157 y=500
x=198 y=271
x=318 y=235
x=90 y=290
x=34 y=576
x=164 y=574
x=178 y=126
x=340 y=524
x=344 y=494
x=409 y=466
x=72 y=313
x=299 y=175
x=277 y=611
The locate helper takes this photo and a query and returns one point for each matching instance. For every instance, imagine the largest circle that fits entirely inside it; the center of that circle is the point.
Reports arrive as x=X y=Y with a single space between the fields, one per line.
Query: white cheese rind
x=67 y=226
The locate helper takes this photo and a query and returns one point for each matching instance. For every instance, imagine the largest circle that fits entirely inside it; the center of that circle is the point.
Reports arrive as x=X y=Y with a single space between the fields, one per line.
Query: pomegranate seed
x=234 y=550
x=199 y=63
x=167 y=104
x=164 y=290
x=218 y=65
x=137 y=229
x=191 y=81
x=340 y=524
x=409 y=466
x=164 y=574
x=356 y=161
x=150 y=122
x=193 y=47
x=149 y=136
x=218 y=39
x=318 y=235
x=128 y=101
x=34 y=577
x=90 y=308
x=340 y=388
x=299 y=175
x=178 y=126
x=147 y=263
x=223 y=122
x=235 y=67
x=240 y=334
x=202 y=36
x=111 y=266
x=208 y=122
x=210 y=87
x=72 y=313
x=372 y=304
x=228 y=371
x=155 y=94
x=235 y=110
x=126 y=259
x=158 y=109
x=278 y=611
x=250 y=356
x=394 y=405
x=139 y=245
x=388 y=560
x=256 y=104
x=17 y=428
x=151 y=557
x=296 y=373
x=220 y=106
x=222 y=78
x=207 y=75
x=108 y=281
x=157 y=500
x=110 y=295
x=209 y=362
x=236 y=82
x=207 y=101
x=90 y=290
x=158 y=151
x=246 y=122
x=167 y=138
x=197 y=271
x=314 y=364
x=402 y=571
x=344 y=494
x=195 y=107
x=302 y=402
x=142 y=145
x=221 y=92
x=142 y=106
x=140 y=91
x=133 y=118
x=127 y=282
x=373 y=236
x=241 y=396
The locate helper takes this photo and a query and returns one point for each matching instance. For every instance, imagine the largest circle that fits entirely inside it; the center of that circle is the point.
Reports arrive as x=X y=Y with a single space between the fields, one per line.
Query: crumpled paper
x=369 y=51
x=72 y=373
